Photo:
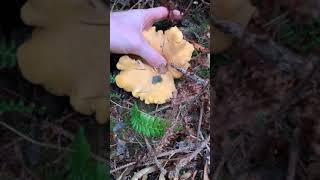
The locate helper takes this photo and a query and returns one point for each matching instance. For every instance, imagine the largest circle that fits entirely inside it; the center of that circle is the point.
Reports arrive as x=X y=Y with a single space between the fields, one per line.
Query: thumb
x=152 y=57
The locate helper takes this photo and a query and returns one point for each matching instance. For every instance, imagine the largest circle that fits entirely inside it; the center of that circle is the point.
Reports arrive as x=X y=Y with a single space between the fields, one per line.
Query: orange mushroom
x=239 y=11
x=146 y=82
x=66 y=53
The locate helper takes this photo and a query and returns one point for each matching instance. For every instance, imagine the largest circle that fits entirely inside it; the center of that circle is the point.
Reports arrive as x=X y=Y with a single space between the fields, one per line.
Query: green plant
x=115 y=95
x=19 y=106
x=146 y=124
x=301 y=37
x=112 y=78
x=7 y=54
x=204 y=73
x=80 y=165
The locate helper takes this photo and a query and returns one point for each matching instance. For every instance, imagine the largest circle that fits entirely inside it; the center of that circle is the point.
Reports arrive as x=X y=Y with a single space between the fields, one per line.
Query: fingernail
x=162 y=69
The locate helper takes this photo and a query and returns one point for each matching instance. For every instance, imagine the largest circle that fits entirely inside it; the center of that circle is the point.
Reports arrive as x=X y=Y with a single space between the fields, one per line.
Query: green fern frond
x=7 y=54
x=115 y=95
x=112 y=78
x=80 y=164
x=146 y=124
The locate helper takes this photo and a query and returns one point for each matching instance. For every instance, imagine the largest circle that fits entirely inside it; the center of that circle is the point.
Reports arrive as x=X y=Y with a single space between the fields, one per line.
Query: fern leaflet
x=146 y=124
x=7 y=54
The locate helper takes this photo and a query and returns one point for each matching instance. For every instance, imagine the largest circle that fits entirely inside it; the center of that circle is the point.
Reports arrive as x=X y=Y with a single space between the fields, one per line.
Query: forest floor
x=266 y=121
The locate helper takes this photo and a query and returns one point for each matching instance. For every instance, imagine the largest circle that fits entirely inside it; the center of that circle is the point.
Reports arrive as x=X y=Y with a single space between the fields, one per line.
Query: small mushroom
x=239 y=11
x=65 y=55
x=144 y=81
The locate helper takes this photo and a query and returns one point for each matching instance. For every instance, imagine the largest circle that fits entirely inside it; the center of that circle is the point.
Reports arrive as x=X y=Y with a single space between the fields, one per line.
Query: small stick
x=205 y=172
x=190 y=76
x=164 y=141
x=199 y=134
x=293 y=155
x=285 y=59
x=175 y=151
x=47 y=145
x=122 y=167
x=163 y=171
x=184 y=161
x=219 y=168
x=143 y=172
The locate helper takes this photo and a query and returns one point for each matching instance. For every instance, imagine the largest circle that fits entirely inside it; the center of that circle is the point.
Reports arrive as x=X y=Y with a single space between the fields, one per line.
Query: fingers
x=160 y=13
x=151 y=56
x=177 y=15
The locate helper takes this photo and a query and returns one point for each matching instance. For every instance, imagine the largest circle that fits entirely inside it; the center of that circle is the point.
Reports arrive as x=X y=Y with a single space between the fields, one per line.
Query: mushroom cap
x=67 y=59
x=171 y=46
x=239 y=11
x=137 y=77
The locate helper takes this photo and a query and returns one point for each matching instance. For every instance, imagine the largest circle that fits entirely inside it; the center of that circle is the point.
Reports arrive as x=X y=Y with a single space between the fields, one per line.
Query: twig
x=186 y=12
x=276 y=19
x=194 y=98
x=143 y=172
x=205 y=172
x=194 y=175
x=172 y=152
x=184 y=161
x=123 y=106
x=124 y=173
x=160 y=109
x=123 y=167
x=169 y=132
x=293 y=157
x=51 y=146
x=19 y=154
x=136 y=4
x=47 y=145
x=114 y=4
x=163 y=171
x=119 y=105
x=189 y=75
x=200 y=122
x=286 y=60
x=175 y=151
x=204 y=2
x=219 y=168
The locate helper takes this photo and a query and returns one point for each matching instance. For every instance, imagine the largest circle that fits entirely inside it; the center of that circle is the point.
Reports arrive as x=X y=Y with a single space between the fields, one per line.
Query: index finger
x=161 y=13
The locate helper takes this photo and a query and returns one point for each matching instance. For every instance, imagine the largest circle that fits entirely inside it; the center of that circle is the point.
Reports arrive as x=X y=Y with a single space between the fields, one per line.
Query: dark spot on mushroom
x=156 y=79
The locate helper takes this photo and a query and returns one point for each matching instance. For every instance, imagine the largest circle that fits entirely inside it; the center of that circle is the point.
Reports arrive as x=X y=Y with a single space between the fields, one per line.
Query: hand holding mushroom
x=126 y=33
x=144 y=81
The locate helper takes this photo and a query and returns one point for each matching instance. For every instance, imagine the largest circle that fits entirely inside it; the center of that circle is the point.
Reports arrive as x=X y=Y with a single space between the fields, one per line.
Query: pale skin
x=126 y=36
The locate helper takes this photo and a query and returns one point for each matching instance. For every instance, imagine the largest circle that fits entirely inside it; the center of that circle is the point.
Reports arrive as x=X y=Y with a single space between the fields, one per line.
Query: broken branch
x=189 y=75
x=286 y=60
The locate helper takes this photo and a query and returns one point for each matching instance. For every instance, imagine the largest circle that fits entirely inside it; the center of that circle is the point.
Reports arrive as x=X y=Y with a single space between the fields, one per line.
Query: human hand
x=126 y=36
